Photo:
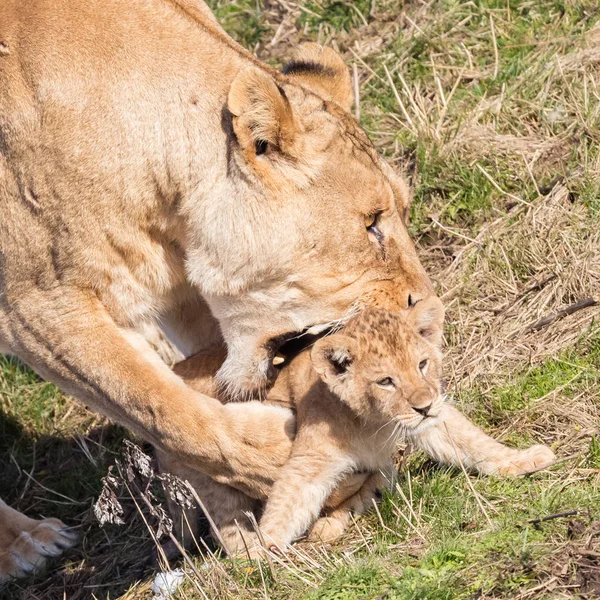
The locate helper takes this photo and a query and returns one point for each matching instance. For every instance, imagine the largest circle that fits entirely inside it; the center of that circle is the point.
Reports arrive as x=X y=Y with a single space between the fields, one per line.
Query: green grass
x=528 y=37
x=438 y=535
x=340 y=16
x=574 y=370
x=44 y=436
x=242 y=19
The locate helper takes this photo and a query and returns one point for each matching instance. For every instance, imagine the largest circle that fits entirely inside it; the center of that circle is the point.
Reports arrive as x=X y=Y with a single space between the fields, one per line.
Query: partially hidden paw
x=326 y=529
x=29 y=550
x=236 y=542
x=528 y=460
x=257 y=551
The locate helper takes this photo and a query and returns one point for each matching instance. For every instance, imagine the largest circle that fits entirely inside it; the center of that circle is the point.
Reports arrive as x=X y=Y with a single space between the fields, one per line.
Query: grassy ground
x=493 y=108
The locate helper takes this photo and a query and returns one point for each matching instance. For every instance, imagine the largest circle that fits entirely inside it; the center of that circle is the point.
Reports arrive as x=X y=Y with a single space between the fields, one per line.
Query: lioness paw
x=528 y=460
x=267 y=429
x=29 y=550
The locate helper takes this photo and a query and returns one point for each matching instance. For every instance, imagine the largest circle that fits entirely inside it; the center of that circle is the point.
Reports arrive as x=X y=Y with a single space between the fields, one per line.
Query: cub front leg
x=453 y=439
x=299 y=495
x=67 y=336
x=26 y=543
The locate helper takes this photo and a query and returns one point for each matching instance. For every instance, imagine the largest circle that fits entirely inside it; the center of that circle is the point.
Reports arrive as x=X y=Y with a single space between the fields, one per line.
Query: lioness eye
x=423 y=365
x=386 y=382
x=372 y=226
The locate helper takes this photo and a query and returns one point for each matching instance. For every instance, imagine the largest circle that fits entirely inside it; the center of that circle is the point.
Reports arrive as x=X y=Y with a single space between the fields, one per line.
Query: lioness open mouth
x=283 y=348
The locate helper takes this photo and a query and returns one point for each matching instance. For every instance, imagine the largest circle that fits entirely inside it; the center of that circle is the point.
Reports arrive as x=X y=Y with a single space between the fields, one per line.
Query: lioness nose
x=423 y=410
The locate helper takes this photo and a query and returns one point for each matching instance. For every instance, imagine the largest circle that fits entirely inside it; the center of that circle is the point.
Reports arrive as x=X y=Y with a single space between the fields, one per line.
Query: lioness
x=161 y=188
x=355 y=394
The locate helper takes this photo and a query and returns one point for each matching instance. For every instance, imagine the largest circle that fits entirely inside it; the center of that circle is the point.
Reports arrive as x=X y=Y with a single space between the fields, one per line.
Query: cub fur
x=355 y=394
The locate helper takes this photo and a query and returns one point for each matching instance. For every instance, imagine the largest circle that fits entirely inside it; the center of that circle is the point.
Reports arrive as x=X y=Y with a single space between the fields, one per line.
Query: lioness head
x=387 y=366
x=309 y=222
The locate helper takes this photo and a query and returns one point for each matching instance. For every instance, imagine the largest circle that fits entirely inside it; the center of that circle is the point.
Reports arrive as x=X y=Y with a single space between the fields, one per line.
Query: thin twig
x=563 y=312
x=399 y=100
x=560 y=515
x=356 y=91
x=170 y=533
x=496 y=58
x=455 y=233
x=537 y=588
x=409 y=505
x=377 y=511
x=495 y=184
x=209 y=518
x=586 y=552
x=47 y=489
x=408 y=521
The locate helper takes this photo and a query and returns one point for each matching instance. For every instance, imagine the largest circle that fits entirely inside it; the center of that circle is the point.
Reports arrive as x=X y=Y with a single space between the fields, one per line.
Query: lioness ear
x=322 y=71
x=427 y=317
x=333 y=356
x=262 y=115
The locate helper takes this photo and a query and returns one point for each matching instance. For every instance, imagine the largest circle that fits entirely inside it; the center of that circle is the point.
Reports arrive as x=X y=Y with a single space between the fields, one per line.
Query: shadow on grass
x=60 y=476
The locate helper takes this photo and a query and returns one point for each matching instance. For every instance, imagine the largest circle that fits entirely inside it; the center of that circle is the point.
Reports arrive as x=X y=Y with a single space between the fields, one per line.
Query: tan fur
x=25 y=543
x=140 y=220
x=349 y=418
x=330 y=79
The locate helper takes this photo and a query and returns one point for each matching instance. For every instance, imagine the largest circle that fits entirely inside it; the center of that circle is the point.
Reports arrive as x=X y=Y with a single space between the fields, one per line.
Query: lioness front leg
x=69 y=338
x=454 y=439
x=26 y=543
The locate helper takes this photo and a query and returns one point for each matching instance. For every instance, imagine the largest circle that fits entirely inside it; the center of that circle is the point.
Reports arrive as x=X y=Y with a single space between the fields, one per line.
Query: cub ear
x=323 y=71
x=427 y=316
x=333 y=356
x=262 y=115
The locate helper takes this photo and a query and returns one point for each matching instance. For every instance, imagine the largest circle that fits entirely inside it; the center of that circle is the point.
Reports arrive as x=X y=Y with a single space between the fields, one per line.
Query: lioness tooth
x=278 y=359
x=316 y=329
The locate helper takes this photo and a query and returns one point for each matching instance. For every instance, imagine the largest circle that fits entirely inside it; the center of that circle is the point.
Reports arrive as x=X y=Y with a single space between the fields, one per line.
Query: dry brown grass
x=539 y=258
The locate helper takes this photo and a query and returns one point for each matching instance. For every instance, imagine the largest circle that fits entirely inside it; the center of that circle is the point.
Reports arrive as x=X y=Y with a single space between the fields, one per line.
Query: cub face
x=387 y=366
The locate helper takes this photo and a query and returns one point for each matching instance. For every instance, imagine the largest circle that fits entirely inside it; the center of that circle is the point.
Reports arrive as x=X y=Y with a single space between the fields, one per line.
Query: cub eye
x=386 y=382
x=423 y=365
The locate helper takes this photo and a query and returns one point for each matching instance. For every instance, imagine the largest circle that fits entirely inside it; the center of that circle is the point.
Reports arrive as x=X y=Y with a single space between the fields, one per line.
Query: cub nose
x=413 y=298
x=423 y=410
x=421 y=401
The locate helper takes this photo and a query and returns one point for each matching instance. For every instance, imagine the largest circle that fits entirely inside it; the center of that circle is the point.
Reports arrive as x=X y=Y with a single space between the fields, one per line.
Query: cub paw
x=326 y=529
x=29 y=550
x=237 y=543
x=528 y=460
x=258 y=552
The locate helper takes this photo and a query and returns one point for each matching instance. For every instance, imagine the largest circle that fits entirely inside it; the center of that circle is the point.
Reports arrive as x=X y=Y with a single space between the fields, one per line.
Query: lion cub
x=355 y=394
